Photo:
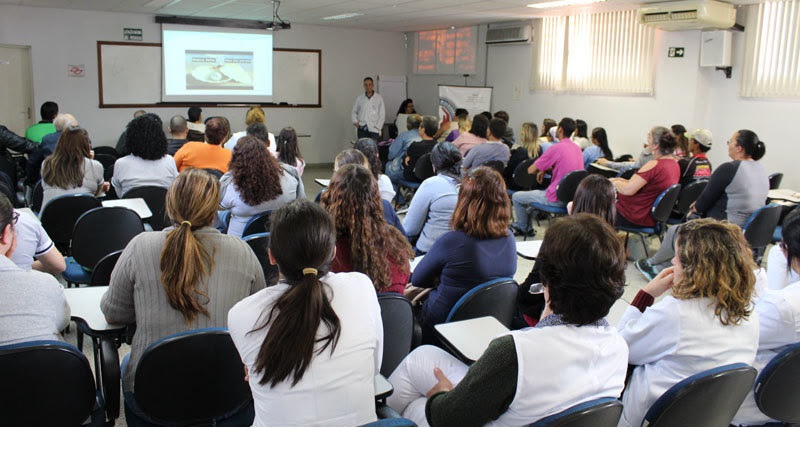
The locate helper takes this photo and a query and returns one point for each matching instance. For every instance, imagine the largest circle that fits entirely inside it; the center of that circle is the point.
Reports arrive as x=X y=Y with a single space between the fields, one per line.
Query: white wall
x=684 y=93
x=66 y=37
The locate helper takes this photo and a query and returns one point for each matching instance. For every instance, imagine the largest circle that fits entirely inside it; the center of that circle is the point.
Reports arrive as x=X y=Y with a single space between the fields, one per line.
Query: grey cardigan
x=136 y=293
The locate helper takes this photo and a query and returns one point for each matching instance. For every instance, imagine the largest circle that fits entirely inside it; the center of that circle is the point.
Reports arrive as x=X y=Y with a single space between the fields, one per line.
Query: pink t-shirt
x=561 y=158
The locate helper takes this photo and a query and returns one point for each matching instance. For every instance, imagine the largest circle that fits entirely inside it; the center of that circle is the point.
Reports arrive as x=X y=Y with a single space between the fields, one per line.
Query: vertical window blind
x=771 y=55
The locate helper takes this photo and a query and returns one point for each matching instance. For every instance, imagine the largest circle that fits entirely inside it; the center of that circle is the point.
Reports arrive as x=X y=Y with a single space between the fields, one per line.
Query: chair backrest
x=258 y=223
x=602 y=412
x=213 y=172
x=155 y=198
x=707 y=399
x=259 y=243
x=106 y=150
x=521 y=177
x=566 y=189
x=688 y=195
x=423 y=167
x=191 y=378
x=494 y=298
x=663 y=204
x=759 y=228
x=101 y=273
x=774 y=180
x=628 y=173
x=398 y=323
x=777 y=386
x=101 y=231
x=59 y=216
x=107 y=160
x=45 y=383
x=38 y=196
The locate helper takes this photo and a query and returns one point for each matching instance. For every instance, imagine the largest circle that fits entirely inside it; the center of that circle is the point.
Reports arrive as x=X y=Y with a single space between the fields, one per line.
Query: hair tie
x=310 y=271
x=187 y=223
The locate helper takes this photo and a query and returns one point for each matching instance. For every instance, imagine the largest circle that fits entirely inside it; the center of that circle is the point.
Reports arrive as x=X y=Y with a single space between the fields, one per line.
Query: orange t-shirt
x=202 y=156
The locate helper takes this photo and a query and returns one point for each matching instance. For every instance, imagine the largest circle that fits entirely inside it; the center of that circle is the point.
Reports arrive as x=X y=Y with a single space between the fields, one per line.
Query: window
x=446 y=52
x=771 y=56
x=595 y=53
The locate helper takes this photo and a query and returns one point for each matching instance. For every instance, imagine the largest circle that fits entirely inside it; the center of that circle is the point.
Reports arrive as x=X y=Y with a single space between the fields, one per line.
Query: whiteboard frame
x=103 y=105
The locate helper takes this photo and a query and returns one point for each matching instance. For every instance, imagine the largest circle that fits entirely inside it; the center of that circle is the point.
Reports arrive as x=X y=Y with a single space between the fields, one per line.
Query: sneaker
x=646 y=268
x=517 y=232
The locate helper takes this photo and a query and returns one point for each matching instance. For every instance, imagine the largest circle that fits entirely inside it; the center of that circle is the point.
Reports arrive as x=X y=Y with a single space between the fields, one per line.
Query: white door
x=16 y=111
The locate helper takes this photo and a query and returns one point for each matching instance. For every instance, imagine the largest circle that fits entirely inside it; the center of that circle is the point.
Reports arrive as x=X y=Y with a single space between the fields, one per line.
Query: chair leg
x=79 y=337
x=645 y=248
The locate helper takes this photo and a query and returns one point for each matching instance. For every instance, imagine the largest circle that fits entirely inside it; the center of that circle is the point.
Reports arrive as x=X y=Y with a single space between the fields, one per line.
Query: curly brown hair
x=716 y=263
x=256 y=174
x=483 y=206
x=353 y=200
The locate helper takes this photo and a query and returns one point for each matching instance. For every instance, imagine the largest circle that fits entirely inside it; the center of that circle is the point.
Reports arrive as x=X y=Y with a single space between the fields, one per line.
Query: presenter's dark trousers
x=362 y=132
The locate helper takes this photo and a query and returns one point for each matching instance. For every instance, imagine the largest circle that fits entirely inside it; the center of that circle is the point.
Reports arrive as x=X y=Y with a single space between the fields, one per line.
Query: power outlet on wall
x=516 y=91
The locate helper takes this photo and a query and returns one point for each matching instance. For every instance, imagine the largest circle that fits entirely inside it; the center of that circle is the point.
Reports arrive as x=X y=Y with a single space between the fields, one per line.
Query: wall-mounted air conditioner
x=677 y=16
x=509 y=33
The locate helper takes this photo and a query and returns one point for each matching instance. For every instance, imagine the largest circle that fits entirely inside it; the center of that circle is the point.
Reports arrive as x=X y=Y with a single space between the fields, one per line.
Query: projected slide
x=219 y=70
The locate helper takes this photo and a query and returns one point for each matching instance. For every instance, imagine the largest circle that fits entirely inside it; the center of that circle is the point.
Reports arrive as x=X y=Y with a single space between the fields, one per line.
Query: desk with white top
x=468 y=339
x=136 y=204
x=528 y=249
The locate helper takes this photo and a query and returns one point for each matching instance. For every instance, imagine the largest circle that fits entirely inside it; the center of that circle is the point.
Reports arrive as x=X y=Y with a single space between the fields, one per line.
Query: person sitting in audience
x=256 y=183
x=417 y=149
x=705 y=322
x=778 y=275
x=207 y=155
x=122 y=144
x=254 y=115
x=778 y=312
x=370 y=150
x=365 y=242
x=398 y=148
x=406 y=109
x=636 y=196
x=475 y=136
x=594 y=195
x=561 y=158
x=34 y=250
x=197 y=129
x=72 y=169
x=61 y=122
x=463 y=124
x=182 y=278
x=36 y=153
x=178 y=134
x=148 y=164
x=34 y=306
x=492 y=150
x=681 y=151
x=546 y=129
x=736 y=189
x=527 y=150
x=573 y=355
x=509 y=134
x=551 y=139
x=312 y=344
x=696 y=166
x=478 y=249
x=600 y=148
x=48 y=111
x=580 y=136
x=431 y=208
x=287 y=150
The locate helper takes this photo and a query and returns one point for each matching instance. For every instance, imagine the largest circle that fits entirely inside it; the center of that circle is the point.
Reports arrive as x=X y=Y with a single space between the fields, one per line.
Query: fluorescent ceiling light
x=342 y=16
x=562 y=3
x=156 y=4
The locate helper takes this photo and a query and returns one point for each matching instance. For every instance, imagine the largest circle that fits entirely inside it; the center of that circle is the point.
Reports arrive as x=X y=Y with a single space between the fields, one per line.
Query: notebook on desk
x=470 y=338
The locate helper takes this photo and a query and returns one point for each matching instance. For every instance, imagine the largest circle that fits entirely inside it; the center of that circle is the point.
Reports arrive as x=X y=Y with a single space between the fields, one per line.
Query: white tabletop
x=323 y=182
x=471 y=337
x=414 y=263
x=604 y=168
x=528 y=249
x=85 y=306
x=784 y=194
x=30 y=212
x=136 y=204
x=382 y=387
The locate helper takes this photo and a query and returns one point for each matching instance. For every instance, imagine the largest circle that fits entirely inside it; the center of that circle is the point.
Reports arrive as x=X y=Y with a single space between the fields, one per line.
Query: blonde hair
x=717 y=263
x=529 y=139
x=185 y=263
x=464 y=123
x=255 y=115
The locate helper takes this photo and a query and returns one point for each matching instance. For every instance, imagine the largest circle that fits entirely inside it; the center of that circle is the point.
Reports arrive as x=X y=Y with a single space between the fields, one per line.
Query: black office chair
x=566 y=190
x=775 y=180
x=602 y=412
x=101 y=274
x=195 y=378
x=258 y=223
x=59 y=216
x=398 y=323
x=97 y=233
x=629 y=173
x=259 y=243
x=48 y=383
x=106 y=150
x=107 y=160
x=687 y=195
x=777 y=387
x=495 y=298
x=661 y=210
x=707 y=399
x=38 y=195
x=759 y=229
x=213 y=172
x=522 y=178
x=155 y=198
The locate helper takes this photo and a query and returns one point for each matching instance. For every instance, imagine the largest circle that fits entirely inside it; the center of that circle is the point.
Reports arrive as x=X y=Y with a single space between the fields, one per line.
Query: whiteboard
x=129 y=75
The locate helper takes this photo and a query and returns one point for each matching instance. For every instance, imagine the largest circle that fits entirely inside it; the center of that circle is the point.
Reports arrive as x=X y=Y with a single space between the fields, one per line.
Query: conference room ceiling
x=384 y=15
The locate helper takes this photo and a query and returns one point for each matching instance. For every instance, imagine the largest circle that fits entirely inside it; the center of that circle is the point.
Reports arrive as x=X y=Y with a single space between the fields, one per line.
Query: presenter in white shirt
x=368 y=112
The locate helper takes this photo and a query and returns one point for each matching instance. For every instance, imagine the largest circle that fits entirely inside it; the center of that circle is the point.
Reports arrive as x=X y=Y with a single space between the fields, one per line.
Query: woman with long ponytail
x=312 y=343
x=183 y=278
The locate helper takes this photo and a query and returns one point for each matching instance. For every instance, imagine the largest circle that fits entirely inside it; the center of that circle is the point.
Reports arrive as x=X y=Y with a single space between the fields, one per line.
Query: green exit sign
x=676 y=51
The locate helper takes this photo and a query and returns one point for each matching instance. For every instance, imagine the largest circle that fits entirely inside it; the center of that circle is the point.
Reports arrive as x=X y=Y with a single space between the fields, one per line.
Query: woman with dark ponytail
x=312 y=343
x=183 y=278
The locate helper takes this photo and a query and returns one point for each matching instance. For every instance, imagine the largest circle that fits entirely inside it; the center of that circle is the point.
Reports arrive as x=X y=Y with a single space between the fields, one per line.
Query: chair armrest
x=110 y=377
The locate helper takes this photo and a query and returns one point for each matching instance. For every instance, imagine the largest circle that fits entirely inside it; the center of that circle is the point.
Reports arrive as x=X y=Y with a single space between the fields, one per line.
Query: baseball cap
x=702 y=136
